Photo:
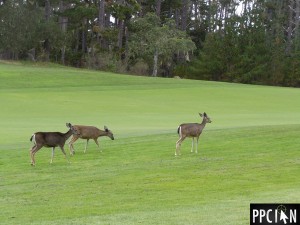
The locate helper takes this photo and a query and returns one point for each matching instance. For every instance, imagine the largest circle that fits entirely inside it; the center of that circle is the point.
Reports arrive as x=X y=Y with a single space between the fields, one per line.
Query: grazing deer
x=50 y=140
x=192 y=130
x=88 y=132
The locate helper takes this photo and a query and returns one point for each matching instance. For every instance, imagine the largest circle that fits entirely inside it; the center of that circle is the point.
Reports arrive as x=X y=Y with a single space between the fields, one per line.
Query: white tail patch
x=33 y=139
x=180 y=131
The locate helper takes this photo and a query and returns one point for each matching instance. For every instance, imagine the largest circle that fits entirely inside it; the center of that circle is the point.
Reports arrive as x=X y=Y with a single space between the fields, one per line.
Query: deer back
x=87 y=132
x=191 y=129
x=49 y=139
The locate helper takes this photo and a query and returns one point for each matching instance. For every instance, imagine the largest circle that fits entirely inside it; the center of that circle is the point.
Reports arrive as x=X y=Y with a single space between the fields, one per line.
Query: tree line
x=246 y=41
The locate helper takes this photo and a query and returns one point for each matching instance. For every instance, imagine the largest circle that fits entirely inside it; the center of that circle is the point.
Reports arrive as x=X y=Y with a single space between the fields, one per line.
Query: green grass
x=250 y=153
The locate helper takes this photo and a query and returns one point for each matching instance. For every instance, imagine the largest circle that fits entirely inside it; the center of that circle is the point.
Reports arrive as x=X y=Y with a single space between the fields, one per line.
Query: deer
x=50 y=140
x=88 y=132
x=192 y=130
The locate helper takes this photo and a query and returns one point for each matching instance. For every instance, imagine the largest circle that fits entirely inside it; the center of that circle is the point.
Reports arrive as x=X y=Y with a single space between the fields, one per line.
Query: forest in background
x=249 y=41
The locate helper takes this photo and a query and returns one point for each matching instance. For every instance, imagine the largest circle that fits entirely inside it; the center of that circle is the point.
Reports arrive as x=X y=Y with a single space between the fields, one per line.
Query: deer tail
x=32 y=139
x=179 y=130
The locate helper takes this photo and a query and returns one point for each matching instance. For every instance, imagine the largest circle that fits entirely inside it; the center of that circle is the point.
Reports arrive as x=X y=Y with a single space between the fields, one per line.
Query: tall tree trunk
x=158 y=7
x=83 y=36
x=209 y=16
x=221 y=18
x=155 y=63
x=63 y=26
x=77 y=40
x=101 y=18
x=126 y=45
x=47 y=42
x=184 y=15
x=121 y=33
x=197 y=17
x=177 y=18
x=297 y=27
x=270 y=27
x=290 y=27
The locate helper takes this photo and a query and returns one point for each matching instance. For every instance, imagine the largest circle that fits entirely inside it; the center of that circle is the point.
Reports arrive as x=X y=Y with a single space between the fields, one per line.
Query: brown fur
x=88 y=132
x=192 y=130
x=49 y=140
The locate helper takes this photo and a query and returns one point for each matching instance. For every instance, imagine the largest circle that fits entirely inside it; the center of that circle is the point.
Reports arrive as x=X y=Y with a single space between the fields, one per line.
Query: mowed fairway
x=250 y=153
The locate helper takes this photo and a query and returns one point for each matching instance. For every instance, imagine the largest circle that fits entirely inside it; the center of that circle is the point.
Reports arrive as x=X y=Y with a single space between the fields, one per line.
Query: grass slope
x=250 y=153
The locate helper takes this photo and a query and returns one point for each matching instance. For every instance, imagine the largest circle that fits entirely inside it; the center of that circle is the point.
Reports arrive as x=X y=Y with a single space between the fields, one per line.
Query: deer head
x=205 y=117
x=109 y=133
x=70 y=126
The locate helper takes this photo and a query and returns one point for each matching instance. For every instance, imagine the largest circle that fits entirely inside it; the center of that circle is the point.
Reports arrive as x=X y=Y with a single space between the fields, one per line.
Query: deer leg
x=33 y=150
x=197 y=145
x=96 y=141
x=192 y=150
x=32 y=158
x=63 y=151
x=86 y=144
x=71 y=147
x=32 y=155
x=178 y=144
x=52 y=155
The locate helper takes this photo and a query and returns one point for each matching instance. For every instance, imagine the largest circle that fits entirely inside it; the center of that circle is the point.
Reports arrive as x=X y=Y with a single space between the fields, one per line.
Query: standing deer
x=88 y=132
x=192 y=130
x=50 y=140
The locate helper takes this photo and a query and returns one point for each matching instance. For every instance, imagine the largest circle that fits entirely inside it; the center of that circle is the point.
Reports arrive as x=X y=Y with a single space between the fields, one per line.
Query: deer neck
x=101 y=133
x=203 y=122
x=68 y=134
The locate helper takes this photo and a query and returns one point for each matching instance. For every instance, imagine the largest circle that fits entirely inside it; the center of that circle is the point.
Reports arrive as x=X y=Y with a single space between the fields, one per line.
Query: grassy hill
x=249 y=153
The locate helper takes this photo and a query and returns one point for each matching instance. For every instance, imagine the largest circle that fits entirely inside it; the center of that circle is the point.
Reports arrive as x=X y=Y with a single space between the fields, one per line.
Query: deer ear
x=105 y=128
x=205 y=114
x=68 y=125
x=201 y=114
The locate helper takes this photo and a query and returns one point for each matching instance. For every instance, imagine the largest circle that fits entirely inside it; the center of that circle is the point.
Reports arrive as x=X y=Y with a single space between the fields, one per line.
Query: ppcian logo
x=281 y=214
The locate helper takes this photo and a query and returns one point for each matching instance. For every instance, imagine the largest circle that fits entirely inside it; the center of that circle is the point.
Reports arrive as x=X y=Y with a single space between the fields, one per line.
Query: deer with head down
x=50 y=140
x=88 y=132
x=192 y=130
